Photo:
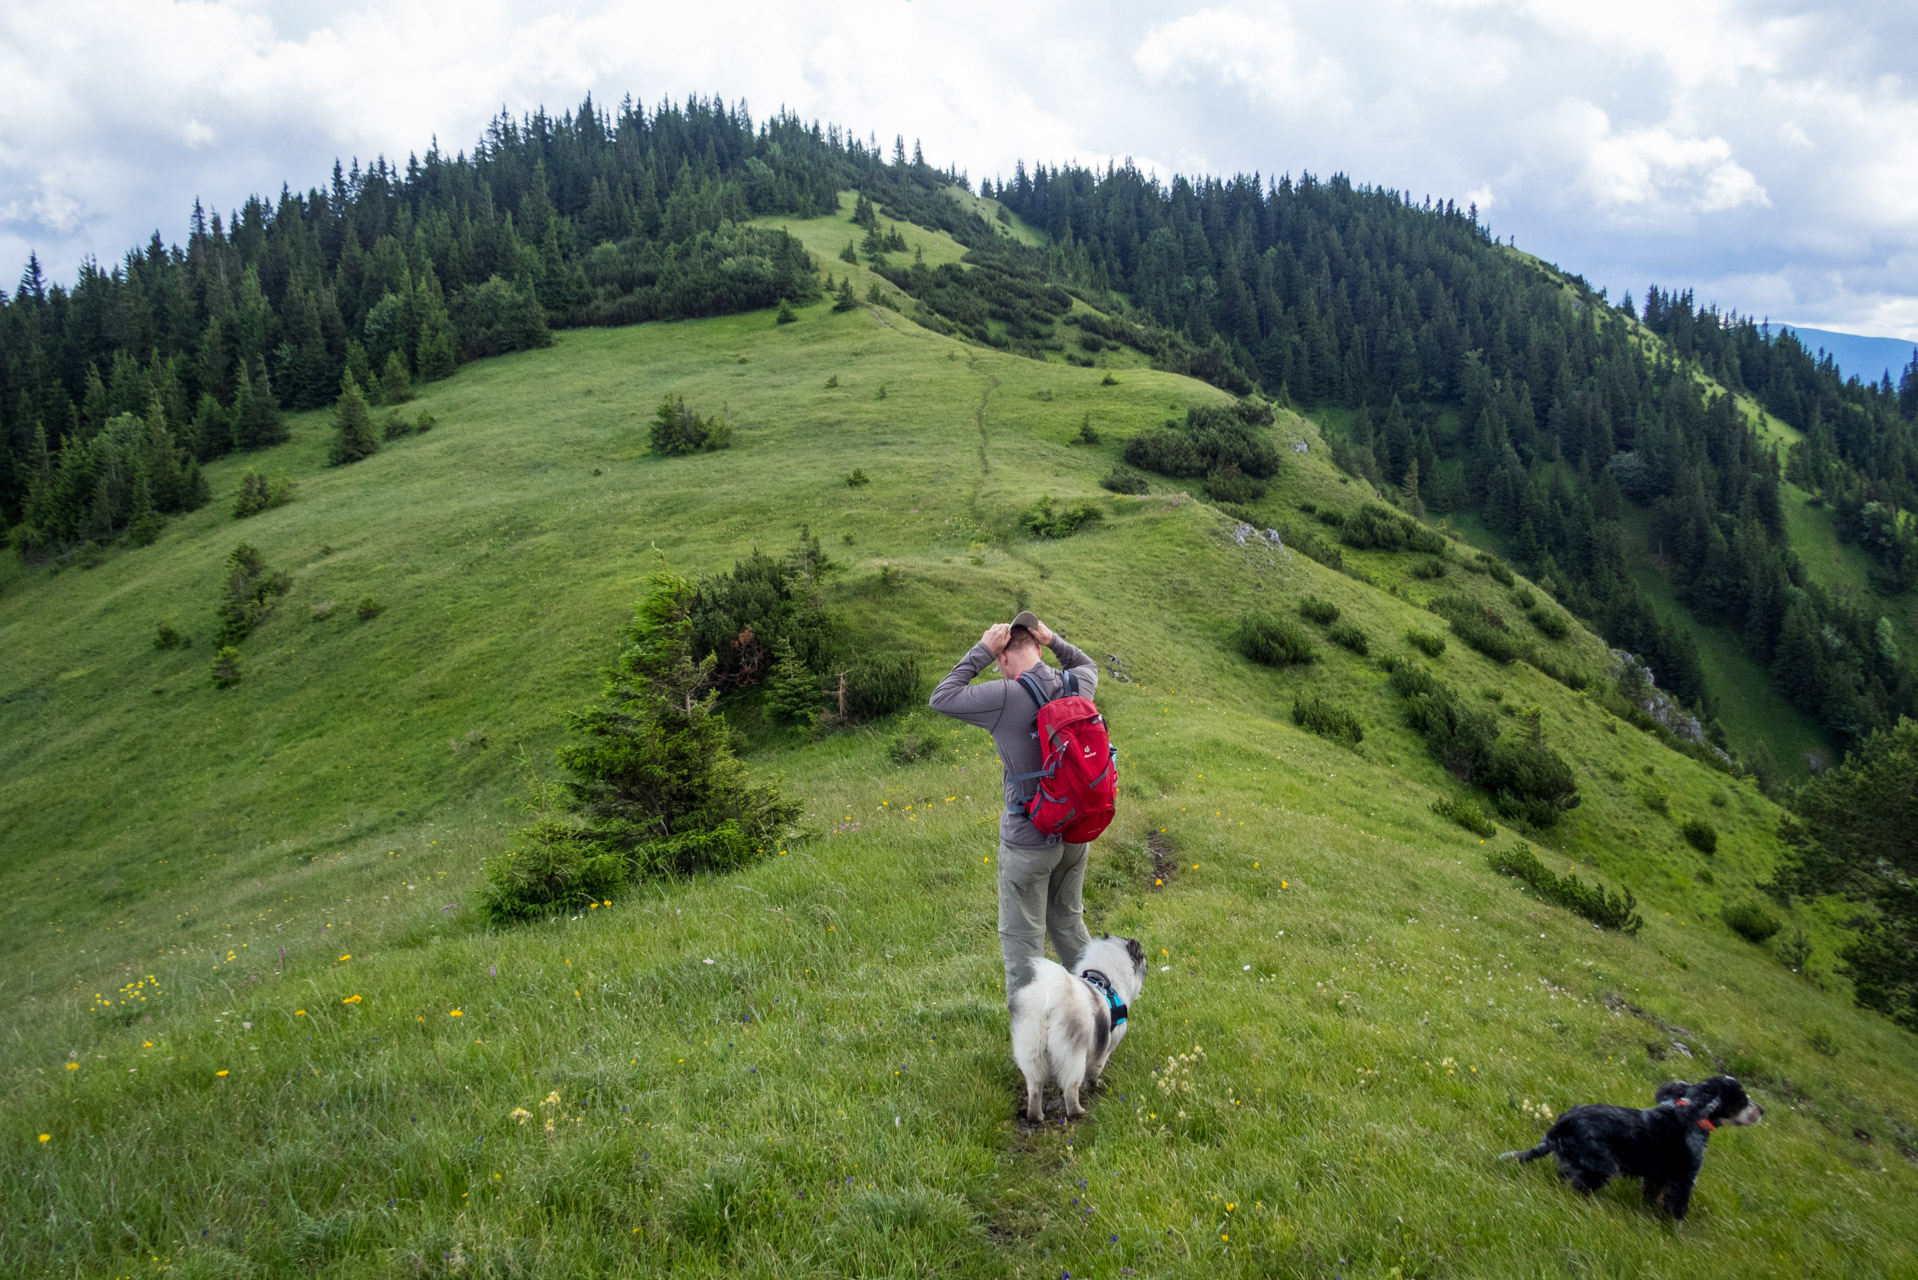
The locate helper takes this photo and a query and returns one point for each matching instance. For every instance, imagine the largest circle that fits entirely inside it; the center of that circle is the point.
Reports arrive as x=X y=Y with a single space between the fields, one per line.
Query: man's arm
x=1085 y=672
x=959 y=698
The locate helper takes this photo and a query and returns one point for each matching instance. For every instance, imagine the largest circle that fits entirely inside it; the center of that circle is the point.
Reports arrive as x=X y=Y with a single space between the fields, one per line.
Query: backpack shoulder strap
x=1071 y=683
x=1030 y=683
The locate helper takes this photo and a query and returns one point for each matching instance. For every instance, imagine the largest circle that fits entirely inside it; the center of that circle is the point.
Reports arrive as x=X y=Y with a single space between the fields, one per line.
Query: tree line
x=389 y=270
x=1488 y=383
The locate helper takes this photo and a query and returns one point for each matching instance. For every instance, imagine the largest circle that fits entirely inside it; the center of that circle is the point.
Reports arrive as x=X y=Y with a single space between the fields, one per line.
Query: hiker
x=1041 y=876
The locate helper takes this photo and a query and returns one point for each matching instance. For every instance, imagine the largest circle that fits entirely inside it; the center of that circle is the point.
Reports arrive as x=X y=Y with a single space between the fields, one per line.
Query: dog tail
x=1539 y=1152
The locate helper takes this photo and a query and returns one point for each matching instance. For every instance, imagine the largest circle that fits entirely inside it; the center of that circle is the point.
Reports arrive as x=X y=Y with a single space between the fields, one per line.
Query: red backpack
x=1079 y=785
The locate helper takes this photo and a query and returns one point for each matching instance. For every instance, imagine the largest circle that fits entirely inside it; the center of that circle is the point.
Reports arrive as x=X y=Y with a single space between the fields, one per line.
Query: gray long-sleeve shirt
x=1005 y=710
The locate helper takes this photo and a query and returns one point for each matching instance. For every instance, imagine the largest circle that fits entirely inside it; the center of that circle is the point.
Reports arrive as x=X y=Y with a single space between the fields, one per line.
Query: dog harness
x=1103 y=985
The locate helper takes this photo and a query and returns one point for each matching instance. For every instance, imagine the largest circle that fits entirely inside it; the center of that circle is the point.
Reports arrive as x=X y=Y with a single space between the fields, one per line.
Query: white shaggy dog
x=1066 y=1024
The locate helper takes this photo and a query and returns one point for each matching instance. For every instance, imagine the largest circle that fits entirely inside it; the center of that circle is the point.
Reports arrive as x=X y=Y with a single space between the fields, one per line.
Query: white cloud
x=1763 y=149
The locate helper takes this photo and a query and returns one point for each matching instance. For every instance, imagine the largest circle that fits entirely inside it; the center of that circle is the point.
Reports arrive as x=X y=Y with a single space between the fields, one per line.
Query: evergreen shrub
x=1603 y=908
x=677 y=430
x=1700 y=834
x=1045 y=519
x=1551 y=625
x=369 y=609
x=226 y=667
x=878 y=685
x=1465 y=811
x=1125 y=480
x=1273 y=642
x=1432 y=646
x=251 y=589
x=1347 y=636
x=166 y=637
x=1379 y=528
x=1327 y=719
x=1751 y=922
x=1323 y=612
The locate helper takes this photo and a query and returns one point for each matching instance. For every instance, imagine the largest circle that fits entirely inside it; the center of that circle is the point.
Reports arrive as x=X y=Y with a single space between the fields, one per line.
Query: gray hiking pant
x=1040 y=893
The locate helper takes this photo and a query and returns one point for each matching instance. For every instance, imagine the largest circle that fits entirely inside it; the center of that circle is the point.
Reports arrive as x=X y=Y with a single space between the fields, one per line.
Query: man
x=1040 y=879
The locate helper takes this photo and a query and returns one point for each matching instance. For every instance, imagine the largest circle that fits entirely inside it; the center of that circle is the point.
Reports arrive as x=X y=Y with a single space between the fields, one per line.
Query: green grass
x=833 y=1094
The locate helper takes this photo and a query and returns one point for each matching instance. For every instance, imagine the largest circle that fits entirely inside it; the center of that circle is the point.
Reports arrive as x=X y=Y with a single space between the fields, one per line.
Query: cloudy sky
x=1764 y=152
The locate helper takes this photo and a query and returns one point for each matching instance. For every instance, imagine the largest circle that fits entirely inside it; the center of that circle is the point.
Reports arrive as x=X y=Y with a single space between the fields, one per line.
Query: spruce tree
x=395 y=386
x=143 y=526
x=354 y=422
x=845 y=301
x=256 y=418
x=792 y=691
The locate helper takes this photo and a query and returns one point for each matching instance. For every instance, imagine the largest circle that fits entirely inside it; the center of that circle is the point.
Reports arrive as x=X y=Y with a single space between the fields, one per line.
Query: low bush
x=1087 y=433
x=1273 y=641
x=1328 y=720
x=1125 y=480
x=1494 y=566
x=369 y=608
x=678 y=430
x=1170 y=453
x=1700 y=834
x=1429 y=568
x=1046 y=519
x=1229 y=484
x=554 y=866
x=1551 y=625
x=257 y=494
x=1347 y=636
x=166 y=637
x=913 y=747
x=714 y=850
x=395 y=426
x=226 y=667
x=1323 y=612
x=1479 y=627
x=1432 y=646
x=1751 y=922
x=425 y=422
x=1522 y=596
x=1604 y=909
x=1379 y=528
x=857 y=479
x=878 y=685
x=1527 y=780
x=1465 y=811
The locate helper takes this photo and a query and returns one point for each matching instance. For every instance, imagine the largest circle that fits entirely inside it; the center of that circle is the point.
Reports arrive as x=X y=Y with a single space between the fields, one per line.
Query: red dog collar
x=1703 y=1123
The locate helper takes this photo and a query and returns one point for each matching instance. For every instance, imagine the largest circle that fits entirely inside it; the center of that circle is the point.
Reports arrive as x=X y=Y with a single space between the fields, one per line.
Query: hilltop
x=253 y=1010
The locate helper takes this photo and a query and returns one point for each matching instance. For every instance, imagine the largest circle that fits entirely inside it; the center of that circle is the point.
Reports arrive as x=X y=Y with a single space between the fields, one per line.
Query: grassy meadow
x=254 y=1026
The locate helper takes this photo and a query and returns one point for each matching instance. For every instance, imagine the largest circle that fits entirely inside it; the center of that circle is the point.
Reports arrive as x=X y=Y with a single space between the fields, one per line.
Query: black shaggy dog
x=1662 y=1145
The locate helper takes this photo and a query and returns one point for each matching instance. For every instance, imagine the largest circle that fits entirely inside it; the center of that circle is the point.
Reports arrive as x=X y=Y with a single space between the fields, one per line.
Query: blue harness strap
x=1103 y=985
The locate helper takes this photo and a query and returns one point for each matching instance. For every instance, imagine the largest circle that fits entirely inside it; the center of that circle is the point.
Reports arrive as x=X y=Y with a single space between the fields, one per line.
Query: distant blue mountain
x=1857 y=356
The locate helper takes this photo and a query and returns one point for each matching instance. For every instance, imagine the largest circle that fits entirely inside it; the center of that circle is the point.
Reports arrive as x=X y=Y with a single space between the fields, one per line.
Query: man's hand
x=995 y=637
x=1043 y=633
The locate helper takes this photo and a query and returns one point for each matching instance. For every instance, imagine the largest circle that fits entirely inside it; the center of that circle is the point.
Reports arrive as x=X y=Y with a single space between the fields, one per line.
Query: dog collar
x=1703 y=1123
x=1103 y=985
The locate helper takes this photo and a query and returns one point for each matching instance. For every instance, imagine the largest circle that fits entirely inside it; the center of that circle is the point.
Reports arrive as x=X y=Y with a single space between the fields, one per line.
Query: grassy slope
x=802 y=1069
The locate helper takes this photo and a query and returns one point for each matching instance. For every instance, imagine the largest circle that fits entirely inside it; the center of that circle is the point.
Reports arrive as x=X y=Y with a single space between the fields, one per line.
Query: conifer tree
x=256 y=419
x=792 y=691
x=395 y=386
x=845 y=301
x=353 y=421
x=143 y=527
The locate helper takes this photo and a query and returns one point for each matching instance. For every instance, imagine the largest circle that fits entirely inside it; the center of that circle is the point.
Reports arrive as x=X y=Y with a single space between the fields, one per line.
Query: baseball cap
x=1027 y=620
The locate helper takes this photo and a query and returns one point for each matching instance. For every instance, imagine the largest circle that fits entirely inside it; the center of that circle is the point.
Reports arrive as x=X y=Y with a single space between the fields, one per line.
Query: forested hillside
x=1484 y=384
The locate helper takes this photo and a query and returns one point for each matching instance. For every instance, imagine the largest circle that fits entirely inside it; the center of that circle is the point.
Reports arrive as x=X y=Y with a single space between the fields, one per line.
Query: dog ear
x=1134 y=950
x=1671 y=1091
